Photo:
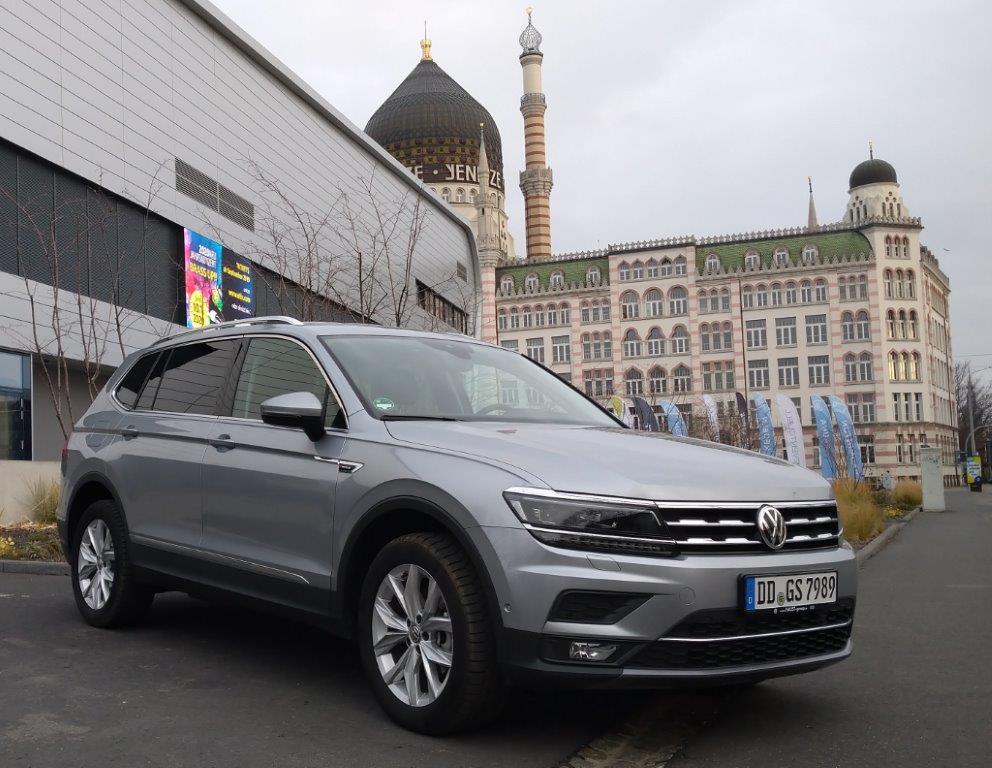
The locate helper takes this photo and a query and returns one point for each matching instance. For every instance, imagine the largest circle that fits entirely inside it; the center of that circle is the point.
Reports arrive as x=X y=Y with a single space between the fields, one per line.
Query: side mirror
x=301 y=410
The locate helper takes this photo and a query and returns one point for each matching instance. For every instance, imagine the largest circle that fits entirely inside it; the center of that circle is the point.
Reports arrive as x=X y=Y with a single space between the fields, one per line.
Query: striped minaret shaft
x=536 y=180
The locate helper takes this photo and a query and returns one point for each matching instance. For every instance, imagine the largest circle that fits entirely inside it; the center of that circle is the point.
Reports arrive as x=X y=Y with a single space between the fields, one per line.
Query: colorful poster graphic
x=825 y=434
x=792 y=430
x=849 y=438
x=763 y=418
x=676 y=424
x=214 y=291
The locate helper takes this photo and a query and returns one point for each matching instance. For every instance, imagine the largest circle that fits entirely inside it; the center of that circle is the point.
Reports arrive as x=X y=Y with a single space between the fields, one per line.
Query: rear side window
x=192 y=379
x=277 y=367
x=131 y=384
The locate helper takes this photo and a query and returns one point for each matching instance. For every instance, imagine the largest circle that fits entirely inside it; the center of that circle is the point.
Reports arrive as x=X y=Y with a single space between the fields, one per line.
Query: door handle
x=129 y=433
x=222 y=442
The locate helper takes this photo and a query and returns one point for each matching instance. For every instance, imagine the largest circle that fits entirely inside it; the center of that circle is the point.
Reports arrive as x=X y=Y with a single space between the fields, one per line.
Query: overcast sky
x=670 y=118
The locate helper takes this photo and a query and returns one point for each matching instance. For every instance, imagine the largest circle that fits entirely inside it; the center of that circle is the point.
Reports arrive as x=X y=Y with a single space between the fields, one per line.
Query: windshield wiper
x=411 y=417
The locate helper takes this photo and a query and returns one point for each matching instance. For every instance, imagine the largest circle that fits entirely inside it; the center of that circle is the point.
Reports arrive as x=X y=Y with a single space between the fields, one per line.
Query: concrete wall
x=16 y=478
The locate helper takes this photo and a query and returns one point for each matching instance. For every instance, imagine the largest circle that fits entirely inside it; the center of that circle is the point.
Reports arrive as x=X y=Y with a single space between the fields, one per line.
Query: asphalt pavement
x=205 y=685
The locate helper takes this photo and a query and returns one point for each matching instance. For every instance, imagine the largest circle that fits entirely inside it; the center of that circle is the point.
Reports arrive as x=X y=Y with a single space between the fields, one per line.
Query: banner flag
x=620 y=410
x=710 y=405
x=849 y=438
x=763 y=418
x=745 y=421
x=825 y=434
x=676 y=424
x=792 y=430
x=649 y=422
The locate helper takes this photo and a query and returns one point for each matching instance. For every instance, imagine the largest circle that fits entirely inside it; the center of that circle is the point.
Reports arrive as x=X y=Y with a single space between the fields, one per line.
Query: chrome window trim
x=751 y=637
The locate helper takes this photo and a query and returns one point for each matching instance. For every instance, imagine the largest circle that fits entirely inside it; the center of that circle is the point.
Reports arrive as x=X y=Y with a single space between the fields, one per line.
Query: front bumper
x=678 y=593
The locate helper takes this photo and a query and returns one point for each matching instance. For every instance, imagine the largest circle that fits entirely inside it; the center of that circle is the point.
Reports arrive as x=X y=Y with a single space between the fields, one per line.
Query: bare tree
x=981 y=399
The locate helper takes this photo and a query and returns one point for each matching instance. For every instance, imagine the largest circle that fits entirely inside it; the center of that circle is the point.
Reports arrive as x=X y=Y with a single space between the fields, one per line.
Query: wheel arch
x=89 y=488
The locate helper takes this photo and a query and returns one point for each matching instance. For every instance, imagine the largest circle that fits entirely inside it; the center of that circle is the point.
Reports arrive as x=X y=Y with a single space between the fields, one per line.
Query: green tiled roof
x=829 y=244
x=575 y=271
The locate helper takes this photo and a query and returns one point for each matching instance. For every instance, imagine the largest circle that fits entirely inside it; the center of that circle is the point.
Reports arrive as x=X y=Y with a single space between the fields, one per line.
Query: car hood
x=623 y=462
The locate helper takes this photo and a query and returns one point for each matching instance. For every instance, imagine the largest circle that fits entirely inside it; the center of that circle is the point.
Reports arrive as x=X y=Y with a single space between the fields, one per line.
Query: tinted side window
x=277 y=367
x=130 y=386
x=147 y=396
x=193 y=377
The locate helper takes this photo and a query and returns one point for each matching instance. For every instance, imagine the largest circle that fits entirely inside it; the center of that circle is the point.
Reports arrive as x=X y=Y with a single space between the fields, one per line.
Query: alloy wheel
x=95 y=564
x=411 y=635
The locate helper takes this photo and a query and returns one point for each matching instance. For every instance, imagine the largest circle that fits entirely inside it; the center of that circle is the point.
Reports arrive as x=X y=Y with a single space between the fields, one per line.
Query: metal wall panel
x=36 y=195
x=8 y=210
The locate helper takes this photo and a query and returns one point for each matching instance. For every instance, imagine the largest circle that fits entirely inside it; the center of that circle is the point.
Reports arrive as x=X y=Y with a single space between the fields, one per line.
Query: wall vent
x=214 y=195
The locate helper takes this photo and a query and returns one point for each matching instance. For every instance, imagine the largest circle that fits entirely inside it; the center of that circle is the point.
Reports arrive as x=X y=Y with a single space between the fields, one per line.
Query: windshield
x=410 y=377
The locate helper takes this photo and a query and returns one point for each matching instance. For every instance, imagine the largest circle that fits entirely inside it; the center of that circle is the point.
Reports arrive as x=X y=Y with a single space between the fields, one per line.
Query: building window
x=532 y=283
x=850 y=368
x=630 y=306
x=757 y=374
x=656 y=343
x=15 y=407
x=867 y=443
x=785 y=331
x=593 y=276
x=747 y=297
x=678 y=301
x=682 y=379
x=623 y=271
x=819 y=370
x=751 y=260
x=535 y=350
x=680 y=265
x=634 y=382
x=788 y=371
x=658 y=381
x=809 y=254
x=527 y=317
x=862 y=408
x=820 y=290
x=598 y=383
x=791 y=296
x=637 y=271
x=501 y=320
x=761 y=295
x=557 y=280
x=653 y=303
x=866 y=367
x=631 y=344
x=757 y=334
x=781 y=257
x=552 y=314
x=665 y=269
x=506 y=284
x=775 y=294
x=560 y=349
x=712 y=263
x=510 y=344
x=816 y=329
x=652 y=267
x=806 y=292
x=718 y=376
x=680 y=340
x=918 y=405
x=862 y=326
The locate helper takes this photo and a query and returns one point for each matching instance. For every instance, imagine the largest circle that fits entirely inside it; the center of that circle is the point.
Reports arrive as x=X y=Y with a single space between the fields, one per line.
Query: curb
x=876 y=545
x=35 y=567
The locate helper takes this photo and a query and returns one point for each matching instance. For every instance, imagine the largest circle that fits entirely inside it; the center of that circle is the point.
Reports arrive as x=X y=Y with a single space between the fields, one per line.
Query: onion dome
x=872 y=171
x=530 y=38
x=431 y=122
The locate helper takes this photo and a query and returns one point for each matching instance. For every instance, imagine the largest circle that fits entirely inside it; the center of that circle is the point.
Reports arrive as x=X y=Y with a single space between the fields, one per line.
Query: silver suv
x=468 y=517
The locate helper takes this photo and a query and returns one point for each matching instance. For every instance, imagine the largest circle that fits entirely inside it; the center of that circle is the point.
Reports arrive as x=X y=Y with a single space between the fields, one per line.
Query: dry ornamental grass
x=860 y=513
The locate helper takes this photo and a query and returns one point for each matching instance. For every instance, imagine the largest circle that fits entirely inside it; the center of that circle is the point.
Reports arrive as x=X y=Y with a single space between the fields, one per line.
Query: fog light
x=586 y=651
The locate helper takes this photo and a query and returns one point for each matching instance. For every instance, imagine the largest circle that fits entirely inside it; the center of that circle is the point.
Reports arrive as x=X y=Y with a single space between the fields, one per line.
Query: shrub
x=43 y=500
x=908 y=494
x=861 y=515
x=7 y=548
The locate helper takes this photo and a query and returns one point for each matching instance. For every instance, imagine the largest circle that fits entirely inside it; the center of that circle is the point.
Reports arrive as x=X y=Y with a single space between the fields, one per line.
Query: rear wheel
x=102 y=576
x=426 y=640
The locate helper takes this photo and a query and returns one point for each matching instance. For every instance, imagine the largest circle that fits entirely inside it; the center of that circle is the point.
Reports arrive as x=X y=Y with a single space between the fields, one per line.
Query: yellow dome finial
x=425 y=46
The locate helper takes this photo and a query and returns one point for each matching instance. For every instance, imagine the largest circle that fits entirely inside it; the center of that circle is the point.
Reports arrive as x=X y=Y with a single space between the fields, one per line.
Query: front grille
x=594 y=607
x=733 y=528
x=740 y=652
x=730 y=622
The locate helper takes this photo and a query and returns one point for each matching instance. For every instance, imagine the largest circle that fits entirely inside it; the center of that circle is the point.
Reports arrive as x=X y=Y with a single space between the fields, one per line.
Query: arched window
x=893 y=366
x=460 y=195
x=656 y=342
x=781 y=257
x=912 y=330
x=865 y=367
x=552 y=314
x=564 y=313
x=862 y=286
x=584 y=312
x=842 y=288
x=682 y=379
x=847 y=325
x=751 y=260
x=899 y=283
x=665 y=268
x=901 y=324
x=658 y=381
x=623 y=271
x=652 y=267
x=680 y=340
x=905 y=247
x=747 y=297
x=514 y=318
x=501 y=319
x=724 y=299
x=790 y=293
x=634 y=380
x=728 y=336
x=904 y=366
x=637 y=271
x=592 y=276
x=712 y=263
x=446 y=194
x=862 y=326
x=888 y=245
x=704 y=337
x=653 y=303
x=761 y=295
x=704 y=301
x=631 y=344
x=539 y=315
x=557 y=280
x=527 y=317
x=821 y=290
x=506 y=284
x=630 y=306
x=910 y=289
x=850 y=367
x=809 y=254
x=914 y=367
x=472 y=194
x=806 y=291
x=678 y=301
x=532 y=283
x=604 y=307
x=775 y=294
x=887 y=283
x=890 y=324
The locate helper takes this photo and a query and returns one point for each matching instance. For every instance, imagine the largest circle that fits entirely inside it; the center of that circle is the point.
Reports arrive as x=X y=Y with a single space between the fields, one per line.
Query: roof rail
x=269 y=320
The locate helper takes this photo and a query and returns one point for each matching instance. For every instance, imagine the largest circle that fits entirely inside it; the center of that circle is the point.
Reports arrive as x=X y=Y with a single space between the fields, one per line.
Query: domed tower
x=873 y=192
x=431 y=125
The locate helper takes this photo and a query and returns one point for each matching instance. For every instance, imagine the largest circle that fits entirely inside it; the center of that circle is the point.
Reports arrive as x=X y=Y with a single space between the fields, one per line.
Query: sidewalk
x=918 y=689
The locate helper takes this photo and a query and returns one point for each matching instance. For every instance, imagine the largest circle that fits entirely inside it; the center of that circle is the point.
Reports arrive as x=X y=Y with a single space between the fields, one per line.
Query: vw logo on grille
x=771 y=526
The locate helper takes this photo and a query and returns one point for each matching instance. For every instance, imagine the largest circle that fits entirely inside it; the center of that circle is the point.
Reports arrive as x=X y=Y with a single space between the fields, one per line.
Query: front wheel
x=427 y=643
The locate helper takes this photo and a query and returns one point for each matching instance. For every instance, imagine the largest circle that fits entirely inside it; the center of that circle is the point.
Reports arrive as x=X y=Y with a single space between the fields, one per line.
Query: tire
x=122 y=601
x=471 y=691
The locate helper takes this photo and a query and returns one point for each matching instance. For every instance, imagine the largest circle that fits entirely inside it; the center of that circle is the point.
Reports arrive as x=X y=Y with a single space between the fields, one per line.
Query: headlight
x=592 y=523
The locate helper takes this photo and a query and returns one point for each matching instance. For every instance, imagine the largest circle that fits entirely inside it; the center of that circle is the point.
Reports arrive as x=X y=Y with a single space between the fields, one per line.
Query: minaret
x=488 y=242
x=535 y=180
x=811 y=222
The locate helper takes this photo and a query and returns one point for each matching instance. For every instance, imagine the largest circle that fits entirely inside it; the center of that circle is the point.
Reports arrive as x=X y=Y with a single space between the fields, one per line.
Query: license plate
x=794 y=590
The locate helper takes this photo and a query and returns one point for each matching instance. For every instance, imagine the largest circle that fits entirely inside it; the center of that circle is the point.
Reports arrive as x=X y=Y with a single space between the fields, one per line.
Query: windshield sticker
x=384 y=404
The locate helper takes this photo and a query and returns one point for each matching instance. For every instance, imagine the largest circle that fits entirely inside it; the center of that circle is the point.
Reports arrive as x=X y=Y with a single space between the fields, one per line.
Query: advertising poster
x=215 y=291
x=763 y=418
x=792 y=430
x=972 y=469
x=825 y=434
x=849 y=438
